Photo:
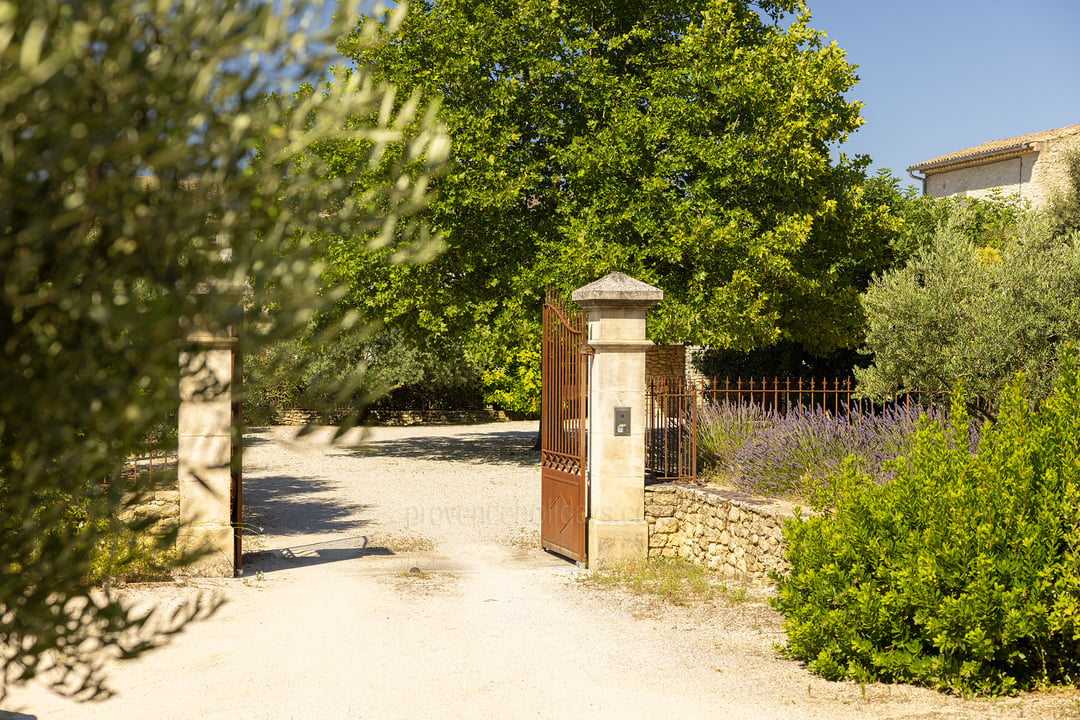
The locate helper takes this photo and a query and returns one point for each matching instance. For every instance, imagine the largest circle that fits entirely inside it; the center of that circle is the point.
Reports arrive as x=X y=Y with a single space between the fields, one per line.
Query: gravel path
x=398 y=575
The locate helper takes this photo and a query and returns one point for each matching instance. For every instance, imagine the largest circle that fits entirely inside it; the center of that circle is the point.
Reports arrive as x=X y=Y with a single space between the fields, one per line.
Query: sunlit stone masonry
x=737 y=535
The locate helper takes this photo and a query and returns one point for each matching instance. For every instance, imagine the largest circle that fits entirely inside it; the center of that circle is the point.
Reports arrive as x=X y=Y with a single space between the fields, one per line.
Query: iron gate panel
x=563 y=400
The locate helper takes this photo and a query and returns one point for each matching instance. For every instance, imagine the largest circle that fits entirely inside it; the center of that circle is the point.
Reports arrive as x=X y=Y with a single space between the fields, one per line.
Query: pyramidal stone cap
x=617 y=290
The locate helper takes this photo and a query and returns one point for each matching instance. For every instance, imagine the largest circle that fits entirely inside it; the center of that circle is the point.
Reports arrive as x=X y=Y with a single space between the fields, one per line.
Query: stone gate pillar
x=616 y=304
x=206 y=452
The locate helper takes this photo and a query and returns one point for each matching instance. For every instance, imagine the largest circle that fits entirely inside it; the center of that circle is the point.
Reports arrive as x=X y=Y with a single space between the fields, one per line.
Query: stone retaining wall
x=737 y=535
x=161 y=505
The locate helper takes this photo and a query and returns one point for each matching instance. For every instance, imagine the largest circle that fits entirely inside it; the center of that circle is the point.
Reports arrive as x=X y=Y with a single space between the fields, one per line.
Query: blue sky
x=942 y=75
x=938 y=76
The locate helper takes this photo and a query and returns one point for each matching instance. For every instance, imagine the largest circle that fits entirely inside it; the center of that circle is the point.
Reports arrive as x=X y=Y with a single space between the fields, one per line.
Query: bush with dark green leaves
x=960 y=574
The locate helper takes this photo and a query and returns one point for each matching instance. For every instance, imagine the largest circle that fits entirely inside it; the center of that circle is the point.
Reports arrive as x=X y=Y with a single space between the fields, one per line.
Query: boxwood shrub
x=961 y=573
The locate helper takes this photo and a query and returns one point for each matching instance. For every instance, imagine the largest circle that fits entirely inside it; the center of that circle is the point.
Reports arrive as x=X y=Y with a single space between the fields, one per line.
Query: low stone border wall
x=396 y=417
x=163 y=506
x=735 y=534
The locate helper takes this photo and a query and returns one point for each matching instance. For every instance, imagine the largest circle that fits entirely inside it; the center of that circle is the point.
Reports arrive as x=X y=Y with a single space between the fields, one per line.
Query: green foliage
x=985 y=222
x=785 y=359
x=961 y=573
x=980 y=302
x=1063 y=210
x=125 y=556
x=510 y=374
x=133 y=208
x=124 y=551
x=684 y=143
x=380 y=369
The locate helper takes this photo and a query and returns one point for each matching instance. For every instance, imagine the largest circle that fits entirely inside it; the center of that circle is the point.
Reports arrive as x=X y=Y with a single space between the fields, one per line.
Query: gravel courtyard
x=397 y=574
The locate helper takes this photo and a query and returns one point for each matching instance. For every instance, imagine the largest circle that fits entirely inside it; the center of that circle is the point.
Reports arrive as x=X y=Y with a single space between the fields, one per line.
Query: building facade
x=1028 y=166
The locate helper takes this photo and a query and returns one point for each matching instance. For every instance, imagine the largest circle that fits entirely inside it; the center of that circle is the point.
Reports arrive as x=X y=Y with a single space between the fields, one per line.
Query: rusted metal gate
x=564 y=395
x=236 y=499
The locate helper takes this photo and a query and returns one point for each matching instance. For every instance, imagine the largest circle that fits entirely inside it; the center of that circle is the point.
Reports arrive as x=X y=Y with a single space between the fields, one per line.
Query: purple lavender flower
x=798 y=452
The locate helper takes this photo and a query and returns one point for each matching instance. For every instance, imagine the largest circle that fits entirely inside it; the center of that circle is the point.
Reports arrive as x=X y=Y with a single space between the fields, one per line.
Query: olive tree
x=971 y=311
x=145 y=164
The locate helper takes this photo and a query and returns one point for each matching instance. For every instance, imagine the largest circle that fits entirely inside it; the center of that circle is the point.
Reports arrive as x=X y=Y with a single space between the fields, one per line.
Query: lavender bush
x=724 y=428
x=795 y=454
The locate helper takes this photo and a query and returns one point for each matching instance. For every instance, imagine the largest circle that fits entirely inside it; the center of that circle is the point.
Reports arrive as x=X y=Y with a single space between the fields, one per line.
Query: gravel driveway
x=398 y=575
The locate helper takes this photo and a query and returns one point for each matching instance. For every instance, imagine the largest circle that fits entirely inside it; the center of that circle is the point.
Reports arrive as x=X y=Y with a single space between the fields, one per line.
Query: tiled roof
x=996 y=148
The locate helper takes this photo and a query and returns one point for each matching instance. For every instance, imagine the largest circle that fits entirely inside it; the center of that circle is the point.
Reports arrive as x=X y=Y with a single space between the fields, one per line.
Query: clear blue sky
x=943 y=75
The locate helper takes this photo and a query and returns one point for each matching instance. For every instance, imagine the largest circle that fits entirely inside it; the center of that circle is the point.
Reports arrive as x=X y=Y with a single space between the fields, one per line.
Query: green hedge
x=960 y=574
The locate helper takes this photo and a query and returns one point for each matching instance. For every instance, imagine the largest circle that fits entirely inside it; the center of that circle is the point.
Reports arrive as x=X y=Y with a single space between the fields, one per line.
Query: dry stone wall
x=161 y=506
x=737 y=535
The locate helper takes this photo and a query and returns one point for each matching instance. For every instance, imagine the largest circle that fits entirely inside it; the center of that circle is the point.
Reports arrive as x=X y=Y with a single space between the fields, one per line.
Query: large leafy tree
x=687 y=143
x=130 y=195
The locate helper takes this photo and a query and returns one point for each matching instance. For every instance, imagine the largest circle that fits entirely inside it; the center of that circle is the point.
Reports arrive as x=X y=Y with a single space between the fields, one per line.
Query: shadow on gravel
x=312 y=554
x=283 y=505
x=508 y=447
x=253 y=437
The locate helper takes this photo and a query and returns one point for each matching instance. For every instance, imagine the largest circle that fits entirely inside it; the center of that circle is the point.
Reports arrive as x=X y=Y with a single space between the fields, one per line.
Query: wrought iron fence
x=672 y=406
x=151 y=467
x=782 y=394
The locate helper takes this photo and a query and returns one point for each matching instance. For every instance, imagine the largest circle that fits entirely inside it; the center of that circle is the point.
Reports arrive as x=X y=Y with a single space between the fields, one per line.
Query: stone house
x=1030 y=166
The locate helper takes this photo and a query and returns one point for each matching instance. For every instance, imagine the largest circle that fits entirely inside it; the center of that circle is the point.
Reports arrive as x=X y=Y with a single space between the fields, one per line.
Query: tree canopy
x=687 y=143
x=130 y=192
